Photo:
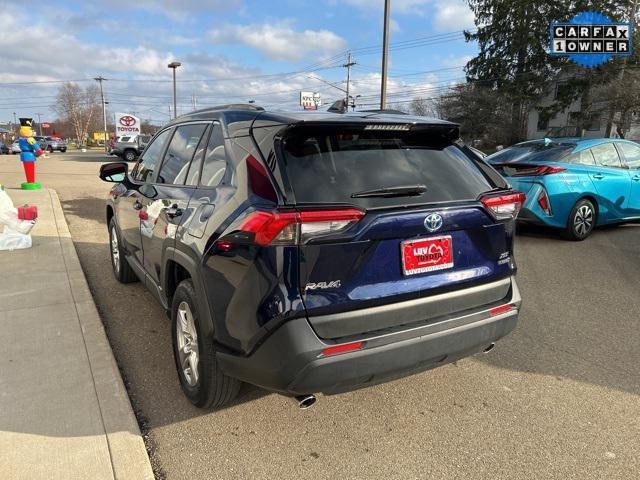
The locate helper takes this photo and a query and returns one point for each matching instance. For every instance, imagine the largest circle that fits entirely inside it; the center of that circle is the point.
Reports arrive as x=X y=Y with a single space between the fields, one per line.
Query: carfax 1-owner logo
x=590 y=39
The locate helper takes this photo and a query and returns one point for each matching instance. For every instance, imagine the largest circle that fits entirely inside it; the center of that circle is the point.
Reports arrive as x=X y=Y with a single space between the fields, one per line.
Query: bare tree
x=79 y=107
x=423 y=107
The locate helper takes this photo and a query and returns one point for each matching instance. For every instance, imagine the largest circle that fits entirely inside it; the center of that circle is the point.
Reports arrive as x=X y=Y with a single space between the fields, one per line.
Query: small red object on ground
x=28 y=212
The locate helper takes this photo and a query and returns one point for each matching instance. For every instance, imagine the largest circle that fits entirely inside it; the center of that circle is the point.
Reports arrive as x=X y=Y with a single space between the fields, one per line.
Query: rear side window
x=606 y=155
x=585 y=157
x=146 y=170
x=329 y=165
x=196 y=164
x=180 y=152
x=631 y=154
x=215 y=161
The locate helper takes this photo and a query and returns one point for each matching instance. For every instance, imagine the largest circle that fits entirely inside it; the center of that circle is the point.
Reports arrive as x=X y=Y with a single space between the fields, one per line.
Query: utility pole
x=104 y=111
x=385 y=54
x=15 y=125
x=348 y=66
x=39 y=123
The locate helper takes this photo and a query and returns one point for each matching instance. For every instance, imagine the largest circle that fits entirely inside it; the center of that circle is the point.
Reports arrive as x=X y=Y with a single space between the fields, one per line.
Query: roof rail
x=232 y=106
x=386 y=110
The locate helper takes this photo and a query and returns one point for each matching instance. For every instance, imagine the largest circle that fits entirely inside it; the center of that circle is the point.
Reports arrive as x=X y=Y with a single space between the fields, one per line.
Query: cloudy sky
x=231 y=51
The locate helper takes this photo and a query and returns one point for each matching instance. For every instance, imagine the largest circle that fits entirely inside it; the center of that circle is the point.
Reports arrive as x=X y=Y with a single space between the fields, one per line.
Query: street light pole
x=174 y=66
x=385 y=54
x=104 y=111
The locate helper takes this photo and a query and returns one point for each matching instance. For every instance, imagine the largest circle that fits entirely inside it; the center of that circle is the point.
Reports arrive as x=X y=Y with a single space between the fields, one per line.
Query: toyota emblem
x=433 y=222
x=127 y=120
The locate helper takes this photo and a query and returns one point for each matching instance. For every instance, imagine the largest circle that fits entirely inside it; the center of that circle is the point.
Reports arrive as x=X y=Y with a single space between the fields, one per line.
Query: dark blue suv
x=315 y=252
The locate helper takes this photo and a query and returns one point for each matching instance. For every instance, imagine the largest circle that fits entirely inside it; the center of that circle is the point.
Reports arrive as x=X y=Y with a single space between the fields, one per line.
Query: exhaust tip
x=306 y=401
x=489 y=348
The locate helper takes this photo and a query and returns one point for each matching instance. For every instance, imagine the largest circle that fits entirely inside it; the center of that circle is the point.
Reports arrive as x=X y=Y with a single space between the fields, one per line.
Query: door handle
x=635 y=178
x=137 y=205
x=598 y=176
x=173 y=211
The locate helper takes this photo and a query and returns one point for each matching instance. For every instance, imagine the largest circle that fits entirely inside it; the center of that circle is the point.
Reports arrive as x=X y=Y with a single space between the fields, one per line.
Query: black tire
x=50 y=149
x=582 y=220
x=121 y=268
x=211 y=388
x=62 y=150
x=129 y=155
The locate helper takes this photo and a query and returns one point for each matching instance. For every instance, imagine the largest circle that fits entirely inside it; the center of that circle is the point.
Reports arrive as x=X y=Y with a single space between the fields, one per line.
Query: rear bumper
x=291 y=361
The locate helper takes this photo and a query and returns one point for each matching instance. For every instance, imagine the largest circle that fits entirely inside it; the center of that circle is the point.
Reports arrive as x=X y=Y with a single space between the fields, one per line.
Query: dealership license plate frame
x=428 y=268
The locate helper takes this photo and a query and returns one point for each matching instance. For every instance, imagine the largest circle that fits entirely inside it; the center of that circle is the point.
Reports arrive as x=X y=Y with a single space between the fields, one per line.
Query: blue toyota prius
x=574 y=184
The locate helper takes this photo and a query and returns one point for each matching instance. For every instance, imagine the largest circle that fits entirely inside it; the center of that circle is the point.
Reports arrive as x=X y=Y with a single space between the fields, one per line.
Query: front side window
x=606 y=155
x=179 y=153
x=215 y=162
x=146 y=170
x=631 y=154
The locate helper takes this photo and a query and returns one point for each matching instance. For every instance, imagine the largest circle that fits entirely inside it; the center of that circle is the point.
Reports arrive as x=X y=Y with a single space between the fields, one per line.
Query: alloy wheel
x=115 y=250
x=187 y=339
x=583 y=220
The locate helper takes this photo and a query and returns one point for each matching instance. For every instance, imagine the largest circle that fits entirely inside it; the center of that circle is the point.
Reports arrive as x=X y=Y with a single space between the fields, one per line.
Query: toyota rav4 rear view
x=316 y=252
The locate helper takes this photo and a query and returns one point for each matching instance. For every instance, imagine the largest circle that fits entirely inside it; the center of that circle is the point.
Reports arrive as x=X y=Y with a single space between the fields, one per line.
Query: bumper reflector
x=500 y=309
x=343 y=348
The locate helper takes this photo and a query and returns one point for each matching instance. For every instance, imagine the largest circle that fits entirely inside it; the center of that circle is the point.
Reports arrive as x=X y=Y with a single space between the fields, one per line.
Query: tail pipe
x=305 y=401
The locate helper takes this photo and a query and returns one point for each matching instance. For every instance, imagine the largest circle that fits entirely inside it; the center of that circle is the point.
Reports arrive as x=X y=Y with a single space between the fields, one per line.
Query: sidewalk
x=64 y=411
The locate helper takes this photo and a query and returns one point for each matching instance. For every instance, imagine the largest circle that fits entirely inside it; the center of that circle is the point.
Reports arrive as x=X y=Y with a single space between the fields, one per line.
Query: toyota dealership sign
x=127 y=124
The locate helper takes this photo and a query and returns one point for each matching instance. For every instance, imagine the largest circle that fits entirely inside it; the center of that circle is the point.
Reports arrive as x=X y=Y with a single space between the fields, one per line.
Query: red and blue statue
x=30 y=150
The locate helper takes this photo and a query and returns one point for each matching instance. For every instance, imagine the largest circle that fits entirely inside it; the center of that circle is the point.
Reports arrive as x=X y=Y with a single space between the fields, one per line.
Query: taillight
x=543 y=201
x=290 y=228
x=535 y=170
x=504 y=207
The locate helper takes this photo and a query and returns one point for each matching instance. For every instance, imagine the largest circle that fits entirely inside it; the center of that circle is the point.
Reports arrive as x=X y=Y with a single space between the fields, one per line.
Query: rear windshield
x=329 y=165
x=532 y=152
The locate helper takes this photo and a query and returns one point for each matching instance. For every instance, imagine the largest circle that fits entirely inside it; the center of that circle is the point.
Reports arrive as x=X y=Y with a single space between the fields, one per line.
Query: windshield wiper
x=399 y=191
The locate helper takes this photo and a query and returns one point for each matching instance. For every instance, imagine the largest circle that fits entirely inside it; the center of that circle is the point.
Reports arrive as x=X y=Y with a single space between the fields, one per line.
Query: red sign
x=427 y=255
x=45 y=125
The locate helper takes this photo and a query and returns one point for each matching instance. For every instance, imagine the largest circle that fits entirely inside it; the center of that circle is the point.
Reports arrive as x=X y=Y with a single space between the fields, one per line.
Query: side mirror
x=114 y=172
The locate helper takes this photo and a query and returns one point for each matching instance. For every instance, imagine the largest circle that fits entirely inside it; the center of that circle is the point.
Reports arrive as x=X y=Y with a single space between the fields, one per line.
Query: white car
x=15 y=147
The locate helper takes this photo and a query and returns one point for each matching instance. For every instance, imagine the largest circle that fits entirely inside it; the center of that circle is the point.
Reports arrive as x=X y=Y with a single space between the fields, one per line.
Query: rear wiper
x=399 y=191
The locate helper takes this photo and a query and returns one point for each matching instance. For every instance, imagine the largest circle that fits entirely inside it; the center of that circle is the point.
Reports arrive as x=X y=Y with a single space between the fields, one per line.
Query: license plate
x=426 y=255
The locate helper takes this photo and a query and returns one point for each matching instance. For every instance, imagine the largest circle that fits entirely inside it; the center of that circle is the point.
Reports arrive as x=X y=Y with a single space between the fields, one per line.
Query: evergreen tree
x=513 y=41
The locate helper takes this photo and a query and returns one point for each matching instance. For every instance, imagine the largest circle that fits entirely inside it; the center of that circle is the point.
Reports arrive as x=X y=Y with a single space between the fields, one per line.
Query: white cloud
x=176 y=10
x=138 y=77
x=278 y=42
x=452 y=61
x=397 y=6
x=452 y=15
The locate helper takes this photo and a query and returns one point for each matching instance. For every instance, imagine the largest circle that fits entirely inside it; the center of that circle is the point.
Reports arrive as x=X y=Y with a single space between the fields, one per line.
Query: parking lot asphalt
x=558 y=398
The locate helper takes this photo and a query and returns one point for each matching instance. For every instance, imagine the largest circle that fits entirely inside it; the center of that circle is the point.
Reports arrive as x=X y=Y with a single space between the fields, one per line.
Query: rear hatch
x=388 y=213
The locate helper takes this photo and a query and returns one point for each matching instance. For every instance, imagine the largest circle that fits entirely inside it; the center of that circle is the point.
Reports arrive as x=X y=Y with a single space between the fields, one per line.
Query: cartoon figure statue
x=29 y=151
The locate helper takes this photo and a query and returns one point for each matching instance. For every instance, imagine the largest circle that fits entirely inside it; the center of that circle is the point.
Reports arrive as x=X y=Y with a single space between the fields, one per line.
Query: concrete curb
x=129 y=457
